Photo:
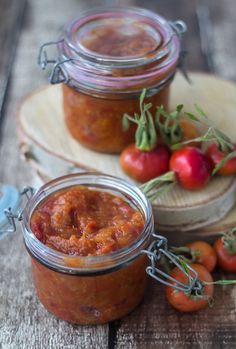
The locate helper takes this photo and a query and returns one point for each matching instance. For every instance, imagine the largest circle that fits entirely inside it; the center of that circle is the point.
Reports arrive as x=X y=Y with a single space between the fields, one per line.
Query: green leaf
x=138 y=135
x=219 y=282
x=125 y=122
x=174 y=114
x=223 y=161
x=179 y=107
x=222 y=137
x=151 y=131
x=200 y=111
x=179 y=145
x=141 y=99
x=184 y=265
x=147 y=106
x=192 y=117
x=155 y=183
x=166 y=126
x=160 y=108
x=175 y=133
x=144 y=142
x=176 y=146
x=165 y=188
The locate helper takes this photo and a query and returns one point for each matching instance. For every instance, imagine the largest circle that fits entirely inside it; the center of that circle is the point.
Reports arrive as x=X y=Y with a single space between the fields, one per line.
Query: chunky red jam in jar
x=85 y=222
x=106 y=58
x=85 y=234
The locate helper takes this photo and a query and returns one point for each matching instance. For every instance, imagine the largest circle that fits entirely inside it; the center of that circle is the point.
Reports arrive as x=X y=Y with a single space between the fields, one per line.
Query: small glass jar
x=105 y=58
x=102 y=288
x=97 y=289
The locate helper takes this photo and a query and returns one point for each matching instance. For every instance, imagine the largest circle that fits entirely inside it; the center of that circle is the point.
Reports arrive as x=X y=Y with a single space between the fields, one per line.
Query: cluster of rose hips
x=170 y=148
x=203 y=258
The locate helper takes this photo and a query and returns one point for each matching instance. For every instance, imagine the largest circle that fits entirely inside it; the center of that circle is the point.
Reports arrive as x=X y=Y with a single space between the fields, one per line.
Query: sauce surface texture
x=86 y=222
x=122 y=38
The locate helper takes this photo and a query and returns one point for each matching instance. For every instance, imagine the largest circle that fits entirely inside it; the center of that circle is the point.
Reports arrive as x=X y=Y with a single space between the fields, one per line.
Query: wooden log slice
x=46 y=142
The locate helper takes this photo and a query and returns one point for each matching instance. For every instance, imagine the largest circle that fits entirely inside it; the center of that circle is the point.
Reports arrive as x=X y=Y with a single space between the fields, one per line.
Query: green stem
x=186 y=253
x=156 y=182
x=159 y=185
x=146 y=134
x=229 y=241
x=219 y=282
x=160 y=191
x=223 y=161
x=169 y=124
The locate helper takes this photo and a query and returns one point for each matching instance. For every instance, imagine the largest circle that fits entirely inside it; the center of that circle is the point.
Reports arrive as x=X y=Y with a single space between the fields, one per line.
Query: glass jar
x=102 y=288
x=105 y=58
x=97 y=289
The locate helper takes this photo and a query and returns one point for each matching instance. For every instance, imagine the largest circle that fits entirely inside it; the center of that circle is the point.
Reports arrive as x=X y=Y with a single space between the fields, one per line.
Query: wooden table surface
x=24 y=323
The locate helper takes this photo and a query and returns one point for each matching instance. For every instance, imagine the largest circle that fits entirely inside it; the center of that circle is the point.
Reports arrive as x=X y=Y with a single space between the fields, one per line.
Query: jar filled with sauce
x=92 y=245
x=84 y=234
x=105 y=58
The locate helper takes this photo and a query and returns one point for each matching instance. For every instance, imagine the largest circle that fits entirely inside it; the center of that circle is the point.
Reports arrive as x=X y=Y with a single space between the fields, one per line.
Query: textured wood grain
x=24 y=324
x=9 y=33
x=156 y=325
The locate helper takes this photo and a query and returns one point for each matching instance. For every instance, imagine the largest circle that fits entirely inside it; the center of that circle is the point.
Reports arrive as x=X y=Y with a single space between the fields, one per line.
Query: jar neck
x=130 y=92
x=99 y=80
x=92 y=264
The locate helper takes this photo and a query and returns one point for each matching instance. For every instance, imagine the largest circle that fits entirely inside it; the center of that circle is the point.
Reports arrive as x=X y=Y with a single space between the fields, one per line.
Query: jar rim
x=161 y=26
x=90 y=264
x=88 y=71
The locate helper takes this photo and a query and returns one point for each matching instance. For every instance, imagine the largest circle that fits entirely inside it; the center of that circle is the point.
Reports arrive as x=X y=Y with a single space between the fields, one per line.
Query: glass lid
x=119 y=35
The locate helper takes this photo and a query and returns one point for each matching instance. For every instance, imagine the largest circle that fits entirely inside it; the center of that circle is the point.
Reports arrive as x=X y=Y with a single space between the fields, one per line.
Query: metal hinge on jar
x=179 y=28
x=58 y=74
x=159 y=249
x=11 y=216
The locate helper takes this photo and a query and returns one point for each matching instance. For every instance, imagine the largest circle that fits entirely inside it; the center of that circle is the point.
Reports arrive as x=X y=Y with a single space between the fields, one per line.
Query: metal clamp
x=179 y=28
x=43 y=59
x=27 y=192
x=58 y=74
x=159 y=249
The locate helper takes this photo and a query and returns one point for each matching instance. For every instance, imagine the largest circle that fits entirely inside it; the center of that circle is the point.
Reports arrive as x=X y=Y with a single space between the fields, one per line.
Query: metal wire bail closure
x=179 y=28
x=43 y=59
x=156 y=250
x=58 y=74
x=11 y=216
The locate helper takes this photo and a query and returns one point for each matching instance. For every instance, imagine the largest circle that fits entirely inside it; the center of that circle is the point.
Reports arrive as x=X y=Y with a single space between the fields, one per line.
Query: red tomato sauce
x=121 y=38
x=97 y=123
x=86 y=222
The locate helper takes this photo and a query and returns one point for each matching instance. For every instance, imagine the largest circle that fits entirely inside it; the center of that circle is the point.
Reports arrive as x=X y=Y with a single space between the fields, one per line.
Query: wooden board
x=54 y=152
